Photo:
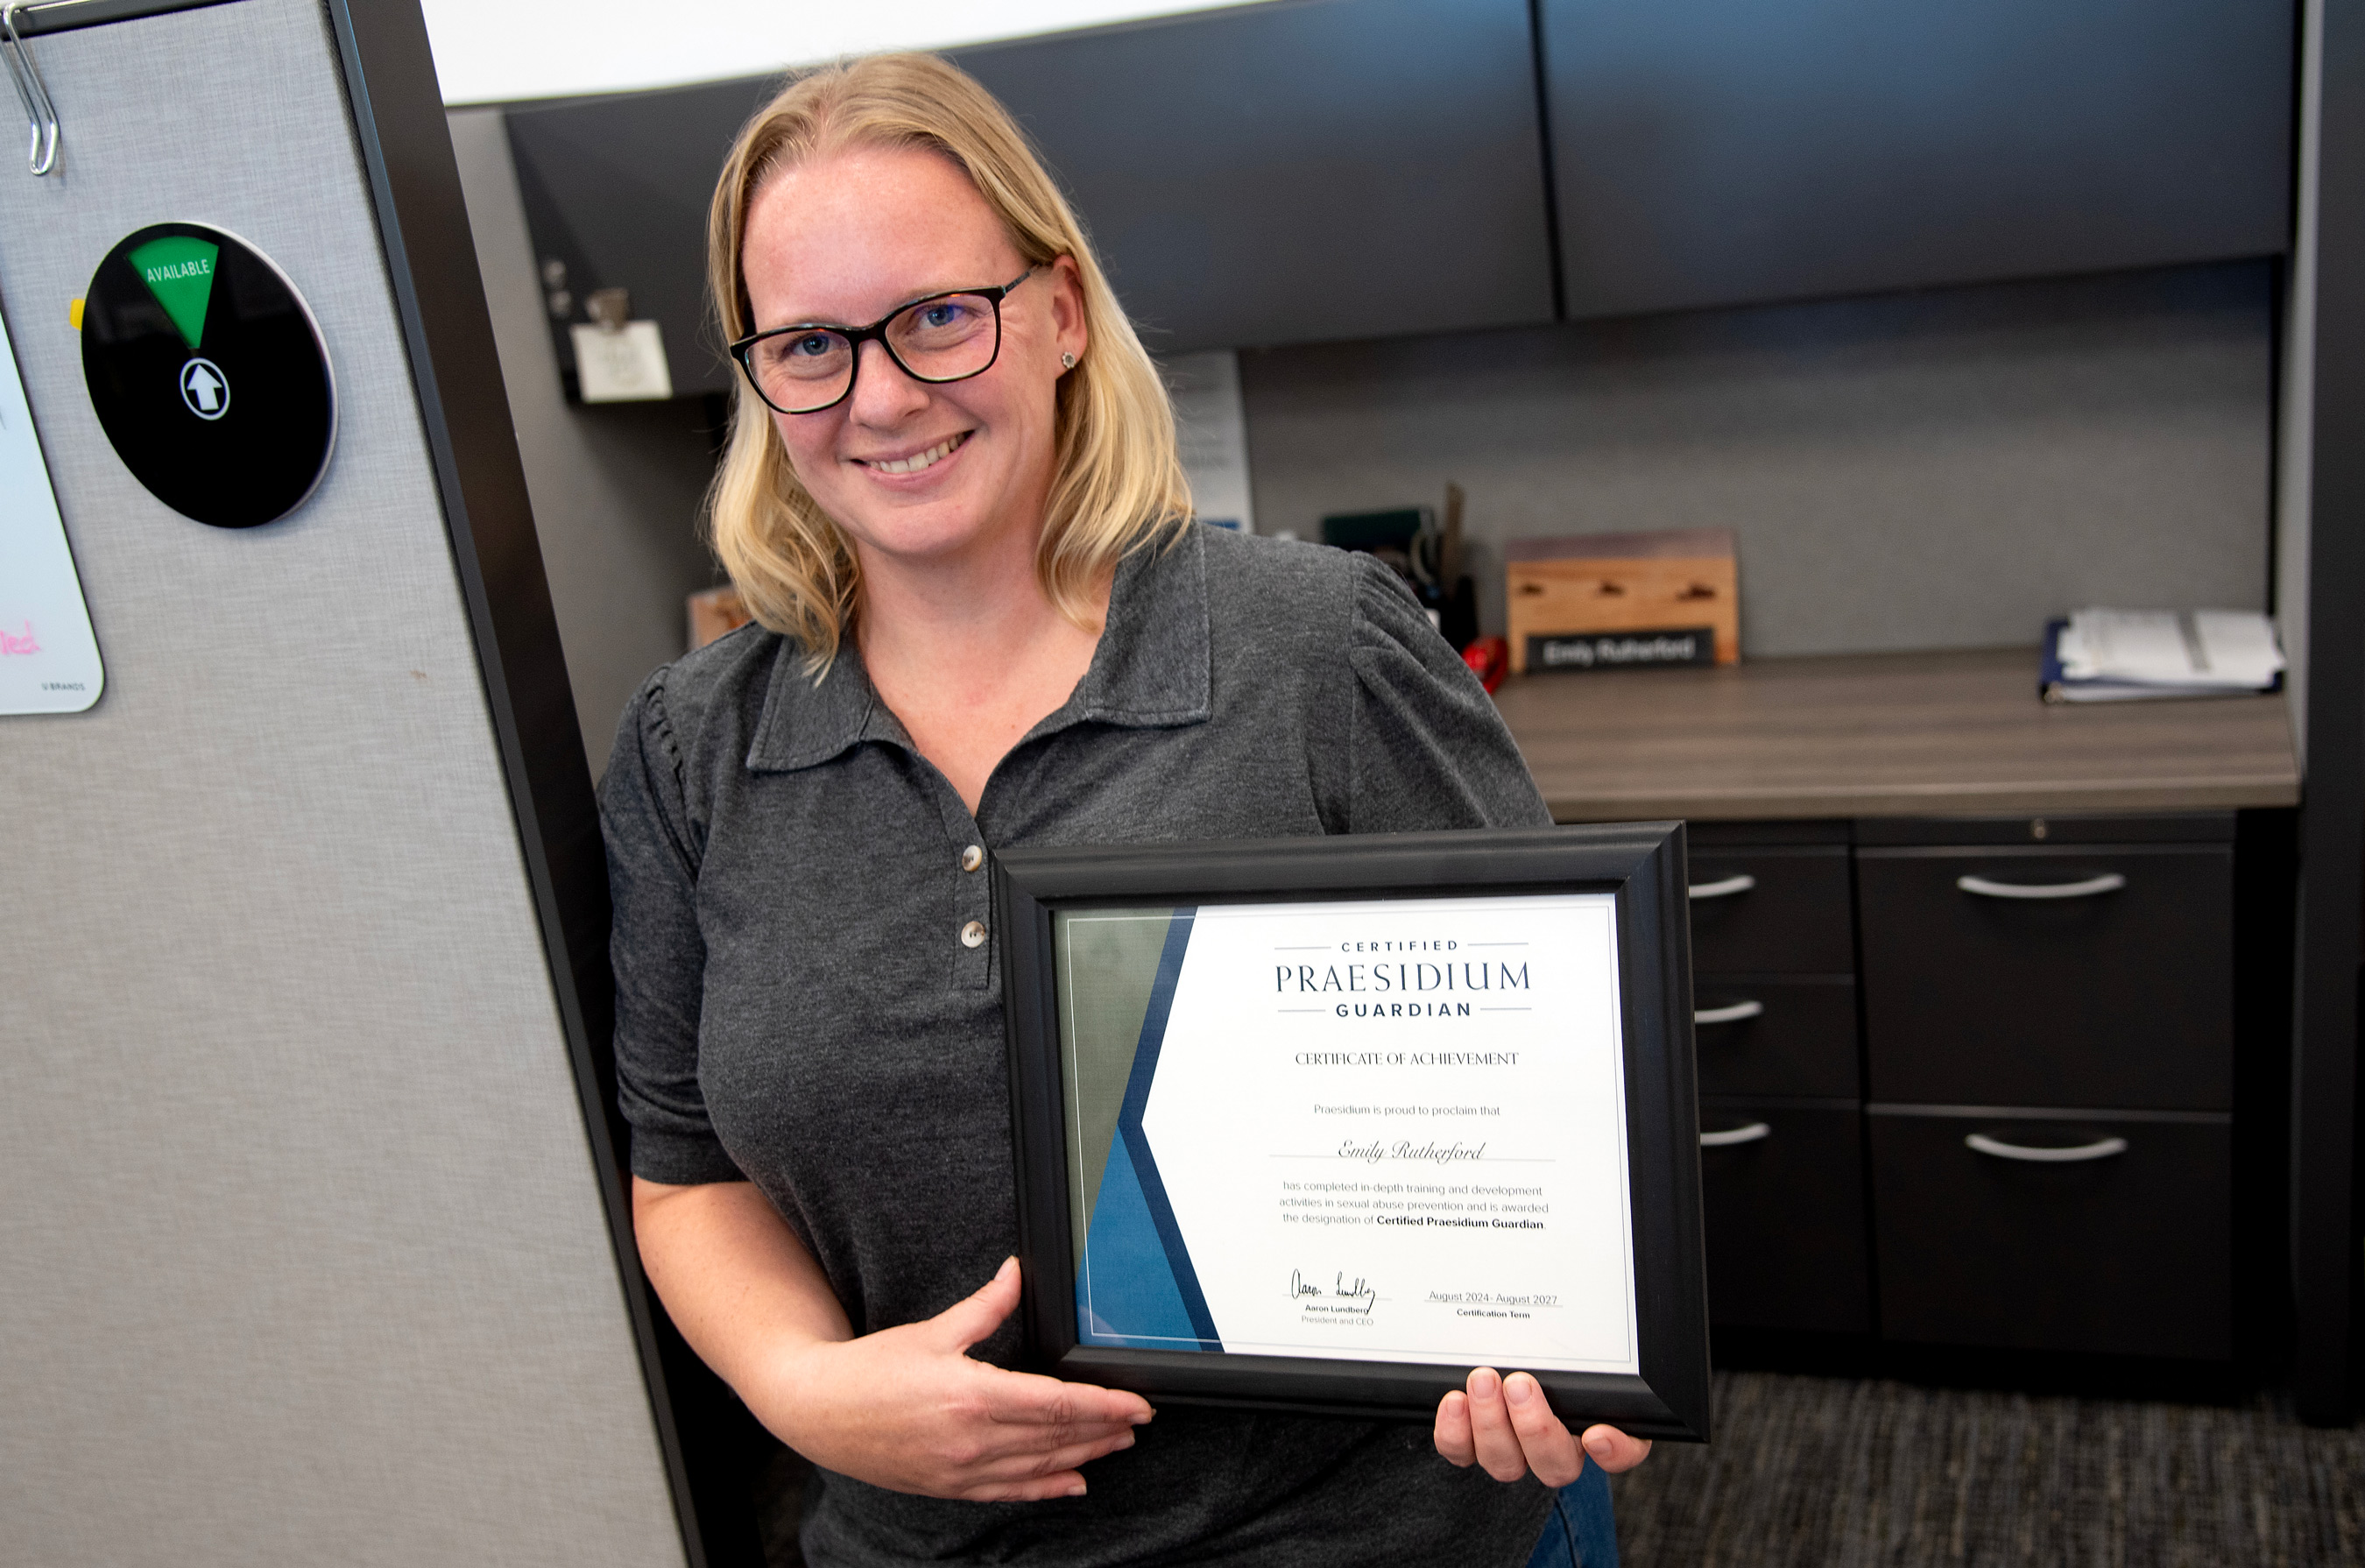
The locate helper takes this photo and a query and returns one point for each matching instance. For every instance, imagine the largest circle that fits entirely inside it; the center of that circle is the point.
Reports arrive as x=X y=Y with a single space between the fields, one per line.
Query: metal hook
x=40 y=114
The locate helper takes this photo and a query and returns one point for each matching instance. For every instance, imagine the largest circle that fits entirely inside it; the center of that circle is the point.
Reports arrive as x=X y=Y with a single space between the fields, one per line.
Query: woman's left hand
x=1506 y=1426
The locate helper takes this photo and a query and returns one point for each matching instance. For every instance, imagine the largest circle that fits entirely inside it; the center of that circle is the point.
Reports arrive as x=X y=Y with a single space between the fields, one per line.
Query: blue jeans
x=1581 y=1533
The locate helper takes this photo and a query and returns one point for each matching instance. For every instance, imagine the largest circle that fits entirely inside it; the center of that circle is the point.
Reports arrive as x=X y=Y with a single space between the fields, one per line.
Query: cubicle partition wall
x=312 y=1249
x=2321 y=546
x=1959 y=314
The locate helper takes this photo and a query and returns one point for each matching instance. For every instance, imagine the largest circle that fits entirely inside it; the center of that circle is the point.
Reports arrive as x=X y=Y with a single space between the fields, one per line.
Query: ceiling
x=498 y=51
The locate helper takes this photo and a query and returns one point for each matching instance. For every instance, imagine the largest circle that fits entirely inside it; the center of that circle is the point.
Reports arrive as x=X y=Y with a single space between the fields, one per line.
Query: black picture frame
x=1641 y=863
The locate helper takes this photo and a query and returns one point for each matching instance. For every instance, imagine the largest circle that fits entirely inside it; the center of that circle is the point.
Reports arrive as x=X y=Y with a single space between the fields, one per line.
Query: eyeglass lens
x=945 y=338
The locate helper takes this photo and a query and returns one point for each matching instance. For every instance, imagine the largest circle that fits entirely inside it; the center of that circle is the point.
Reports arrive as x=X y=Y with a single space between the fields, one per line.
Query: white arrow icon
x=205 y=389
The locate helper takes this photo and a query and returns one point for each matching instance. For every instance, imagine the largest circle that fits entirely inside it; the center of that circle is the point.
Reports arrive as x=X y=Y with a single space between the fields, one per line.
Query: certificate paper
x=1388 y=1129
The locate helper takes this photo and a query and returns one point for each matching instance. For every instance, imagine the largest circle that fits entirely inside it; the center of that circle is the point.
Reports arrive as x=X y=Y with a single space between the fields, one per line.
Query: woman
x=984 y=621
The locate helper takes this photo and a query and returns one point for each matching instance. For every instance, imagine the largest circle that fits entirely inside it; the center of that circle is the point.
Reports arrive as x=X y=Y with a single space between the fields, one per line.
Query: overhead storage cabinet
x=1291 y=174
x=1329 y=170
x=1299 y=172
x=1728 y=151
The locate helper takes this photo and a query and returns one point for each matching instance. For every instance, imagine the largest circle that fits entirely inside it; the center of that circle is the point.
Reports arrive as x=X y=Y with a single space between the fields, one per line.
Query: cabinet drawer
x=2120 y=996
x=1772 y=910
x=1799 y=1041
x=1784 y=1215
x=2125 y=1255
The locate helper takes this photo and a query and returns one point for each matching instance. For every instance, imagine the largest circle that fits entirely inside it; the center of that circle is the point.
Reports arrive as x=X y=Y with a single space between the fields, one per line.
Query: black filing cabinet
x=2049 y=1035
x=1775 y=1009
x=2118 y=1244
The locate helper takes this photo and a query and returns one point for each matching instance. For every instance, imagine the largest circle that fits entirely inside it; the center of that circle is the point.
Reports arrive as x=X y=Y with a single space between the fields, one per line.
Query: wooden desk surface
x=1884 y=734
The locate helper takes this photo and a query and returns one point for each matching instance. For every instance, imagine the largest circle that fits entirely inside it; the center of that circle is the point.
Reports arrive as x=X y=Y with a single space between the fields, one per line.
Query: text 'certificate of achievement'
x=1392 y=1129
x=1321 y=1124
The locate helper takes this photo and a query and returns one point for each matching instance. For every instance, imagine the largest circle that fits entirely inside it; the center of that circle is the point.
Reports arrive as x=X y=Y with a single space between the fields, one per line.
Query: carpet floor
x=1845 y=1472
x=1855 y=1473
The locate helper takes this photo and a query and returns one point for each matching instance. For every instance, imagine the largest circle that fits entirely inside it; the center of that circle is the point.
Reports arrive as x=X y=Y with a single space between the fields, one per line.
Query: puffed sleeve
x=1427 y=749
x=658 y=954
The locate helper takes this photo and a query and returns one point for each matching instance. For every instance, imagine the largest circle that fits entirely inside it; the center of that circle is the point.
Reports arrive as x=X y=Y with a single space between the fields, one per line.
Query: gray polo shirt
x=806 y=996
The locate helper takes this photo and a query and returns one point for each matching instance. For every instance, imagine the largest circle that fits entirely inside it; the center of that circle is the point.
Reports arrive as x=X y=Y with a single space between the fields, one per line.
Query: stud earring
x=1066 y=362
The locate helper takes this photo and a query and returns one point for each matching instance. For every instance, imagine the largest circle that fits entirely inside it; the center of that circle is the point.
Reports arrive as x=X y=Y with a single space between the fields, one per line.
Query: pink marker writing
x=10 y=644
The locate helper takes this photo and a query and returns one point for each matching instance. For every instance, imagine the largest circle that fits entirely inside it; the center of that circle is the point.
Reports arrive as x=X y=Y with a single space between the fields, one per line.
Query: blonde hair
x=1116 y=480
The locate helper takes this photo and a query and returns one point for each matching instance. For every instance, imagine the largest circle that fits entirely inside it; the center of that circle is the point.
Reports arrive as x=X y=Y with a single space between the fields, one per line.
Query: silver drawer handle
x=2103 y=1149
x=1733 y=1014
x=2107 y=882
x=1725 y=888
x=1727 y=1138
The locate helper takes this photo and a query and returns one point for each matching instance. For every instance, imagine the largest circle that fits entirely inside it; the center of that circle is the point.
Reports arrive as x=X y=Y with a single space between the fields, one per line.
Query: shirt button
x=972 y=858
x=973 y=933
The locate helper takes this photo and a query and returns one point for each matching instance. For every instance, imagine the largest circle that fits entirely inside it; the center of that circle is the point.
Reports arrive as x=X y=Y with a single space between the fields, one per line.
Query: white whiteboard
x=49 y=659
x=1210 y=432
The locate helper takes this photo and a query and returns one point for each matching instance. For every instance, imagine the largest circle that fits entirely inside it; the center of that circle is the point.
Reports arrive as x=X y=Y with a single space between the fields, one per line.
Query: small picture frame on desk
x=1322 y=1124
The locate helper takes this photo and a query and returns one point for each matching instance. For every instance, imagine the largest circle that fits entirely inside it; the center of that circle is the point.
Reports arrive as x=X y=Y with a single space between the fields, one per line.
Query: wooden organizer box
x=1623 y=582
x=715 y=613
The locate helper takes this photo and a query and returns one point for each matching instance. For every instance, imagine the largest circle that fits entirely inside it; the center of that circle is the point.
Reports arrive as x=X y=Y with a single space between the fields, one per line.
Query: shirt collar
x=1149 y=671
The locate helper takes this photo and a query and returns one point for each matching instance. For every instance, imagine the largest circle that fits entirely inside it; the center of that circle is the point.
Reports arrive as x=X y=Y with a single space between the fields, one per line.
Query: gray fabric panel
x=1931 y=470
x=2295 y=428
x=303 y=1260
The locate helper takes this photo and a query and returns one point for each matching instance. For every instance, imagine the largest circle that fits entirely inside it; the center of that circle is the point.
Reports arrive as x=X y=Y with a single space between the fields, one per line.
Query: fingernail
x=1598 y=1446
x=1484 y=1383
x=1009 y=1265
x=1518 y=1387
x=1127 y=1442
x=1077 y=1490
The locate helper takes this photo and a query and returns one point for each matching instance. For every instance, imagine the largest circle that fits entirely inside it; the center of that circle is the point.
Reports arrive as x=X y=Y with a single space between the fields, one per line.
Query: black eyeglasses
x=947 y=337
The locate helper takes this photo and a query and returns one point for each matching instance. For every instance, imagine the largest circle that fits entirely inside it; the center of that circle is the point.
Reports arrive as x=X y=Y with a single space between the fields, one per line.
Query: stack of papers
x=2110 y=655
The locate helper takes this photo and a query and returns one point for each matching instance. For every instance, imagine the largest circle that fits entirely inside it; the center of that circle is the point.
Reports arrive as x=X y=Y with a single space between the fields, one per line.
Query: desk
x=1885 y=735
x=1875 y=1022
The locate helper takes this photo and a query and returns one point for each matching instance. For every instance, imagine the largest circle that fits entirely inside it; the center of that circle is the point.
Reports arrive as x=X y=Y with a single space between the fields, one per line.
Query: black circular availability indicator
x=208 y=374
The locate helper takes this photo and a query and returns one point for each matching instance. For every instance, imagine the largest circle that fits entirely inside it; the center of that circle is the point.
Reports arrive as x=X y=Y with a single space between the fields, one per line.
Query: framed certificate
x=1322 y=1123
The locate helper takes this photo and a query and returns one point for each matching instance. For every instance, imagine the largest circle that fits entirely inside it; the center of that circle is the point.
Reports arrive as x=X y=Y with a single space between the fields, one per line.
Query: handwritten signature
x=1359 y=1292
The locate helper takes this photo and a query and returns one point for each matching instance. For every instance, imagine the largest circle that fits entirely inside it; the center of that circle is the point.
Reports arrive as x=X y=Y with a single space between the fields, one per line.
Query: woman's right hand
x=908 y=1409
